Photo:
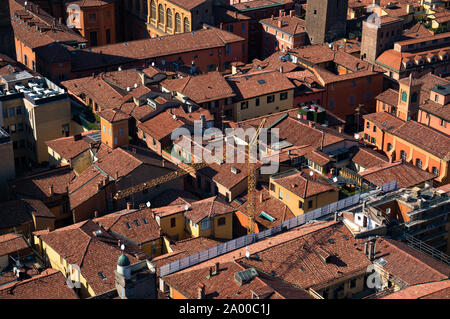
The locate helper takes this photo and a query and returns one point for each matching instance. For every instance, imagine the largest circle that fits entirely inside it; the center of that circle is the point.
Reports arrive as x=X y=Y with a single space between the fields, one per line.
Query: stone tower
x=6 y=30
x=326 y=20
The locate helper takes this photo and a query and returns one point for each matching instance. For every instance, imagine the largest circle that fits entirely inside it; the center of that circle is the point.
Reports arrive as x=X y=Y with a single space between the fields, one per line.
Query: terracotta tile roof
x=397 y=60
x=38 y=186
x=444 y=188
x=128 y=163
x=224 y=15
x=269 y=205
x=426 y=138
x=79 y=245
x=189 y=117
x=15 y=213
x=259 y=83
x=304 y=185
x=318 y=157
x=405 y=174
x=50 y=284
x=418 y=30
x=368 y=158
x=389 y=96
x=314 y=54
x=219 y=286
x=323 y=257
x=274 y=62
x=113 y=115
x=408 y=264
x=84 y=186
x=202 y=88
x=120 y=53
x=173 y=197
x=182 y=249
x=292 y=25
x=49 y=29
x=208 y=207
x=11 y=243
x=188 y=4
x=146 y=229
x=161 y=125
x=391 y=122
x=72 y=146
x=441 y=111
x=431 y=290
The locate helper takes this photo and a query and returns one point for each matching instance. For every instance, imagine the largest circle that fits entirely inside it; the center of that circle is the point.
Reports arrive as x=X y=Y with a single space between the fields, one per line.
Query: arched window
x=138 y=6
x=161 y=14
x=403 y=155
x=389 y=147
x=419 y=163
x=169 y=18
x=177 y=22
x=187 y=27
x=153 y=10
x=404 y=96
x=435 y=170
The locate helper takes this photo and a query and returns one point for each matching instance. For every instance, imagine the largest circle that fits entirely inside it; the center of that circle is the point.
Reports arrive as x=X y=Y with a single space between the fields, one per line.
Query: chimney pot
x=291 y=13
x=217 y=267
x=200 y=291
x=129 y=205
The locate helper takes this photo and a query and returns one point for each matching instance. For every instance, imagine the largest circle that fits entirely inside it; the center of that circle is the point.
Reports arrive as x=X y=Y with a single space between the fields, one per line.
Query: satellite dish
x=335 y=179
x=122 y=247
x=311 y=173
x=186 y=207
x=148 y=204
x=247 y=254
x=153 y=63
x=357 y=136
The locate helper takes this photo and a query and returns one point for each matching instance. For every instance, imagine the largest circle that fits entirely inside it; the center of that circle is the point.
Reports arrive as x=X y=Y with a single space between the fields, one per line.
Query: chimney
x=291 y=13
x=335 y=216
x=163 y=162
x=142 y=206
x=119 y=243
x=60 y=20
x=216 y=267
x=99 y=186
x=271 y=17
x=281 y=12
x=340 y=129
x=261 y=198
x=221 y=26
x=310 y=123
x=67 y=189
x=200 y=291
x=280 y=23
x=117 y=174
x=51 y=190
x=129 y=206
x=281 y=69
x=134 y=150
x=95 y=214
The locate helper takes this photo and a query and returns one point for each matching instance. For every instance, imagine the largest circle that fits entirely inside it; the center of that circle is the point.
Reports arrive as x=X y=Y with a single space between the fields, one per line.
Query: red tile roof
x=261 y=83
x=72 y=146
x=389 y=96
x=368 y=158
x=202 y=88
x=431 y=290
x=113 y=115
x=384 y=121
x=408 y=264
x=405 y=174
x=50 y=284
x=145 y=230
x=15 y=213
x=205 y=208
x=161 y=125
x=304 y=185
x=79 y=245
x=11 y=243
x=289 y=24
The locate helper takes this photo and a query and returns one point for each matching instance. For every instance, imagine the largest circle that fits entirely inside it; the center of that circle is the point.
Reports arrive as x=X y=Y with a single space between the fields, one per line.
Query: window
x=243 y=28
x=221 y=221
x=374 y=128
x=227 y=49
x=331 y=106
x=283 y=96
x=280 y=194
x=12 y=112
x=368 y=125
x=5 y=113
x=353 y=83
x=244 y=105
x=435 y=170
x=161 y=14
x=104 y=128
x=352 y=100
x=205 y=224
x=187 y=26
x=443 y=123
x=257 y=101
x=169 y=18
x=20 y=127
x=26 y=59
x=93 y=38
x=389 y=147
x=404 y=96
x=144 y=7
x=120 y=131
x=300 y=204
x=230 y=28
x=403 y=155
x=310 y=203
x=367 y=95
x=270 y=98
x=138 y=6
x=353 y=283
x=109 y=131
x=153 y=10
x=172 y=222
x=92 y=17
x=137 y=222
x=419 y=163
x=108 y=36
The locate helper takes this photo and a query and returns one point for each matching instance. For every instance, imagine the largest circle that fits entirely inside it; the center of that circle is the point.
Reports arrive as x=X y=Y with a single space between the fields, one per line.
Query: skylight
x=263 y=214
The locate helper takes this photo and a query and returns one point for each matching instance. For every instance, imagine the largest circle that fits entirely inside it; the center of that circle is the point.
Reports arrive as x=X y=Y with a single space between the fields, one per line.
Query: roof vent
x=245 y=276
x=234 y=170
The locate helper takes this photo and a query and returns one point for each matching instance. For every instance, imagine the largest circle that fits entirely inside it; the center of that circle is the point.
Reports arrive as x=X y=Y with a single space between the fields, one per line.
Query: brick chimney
x=129 y=206
x=51 y=190
x=200 y=291
x=217 y=267
x=280 y=23
x=261 y=197
x=291 y=13
x=117 y=174
x=95 y=213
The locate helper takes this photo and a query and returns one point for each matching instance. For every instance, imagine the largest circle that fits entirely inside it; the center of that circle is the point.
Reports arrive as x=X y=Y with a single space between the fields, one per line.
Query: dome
x=123 y=261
